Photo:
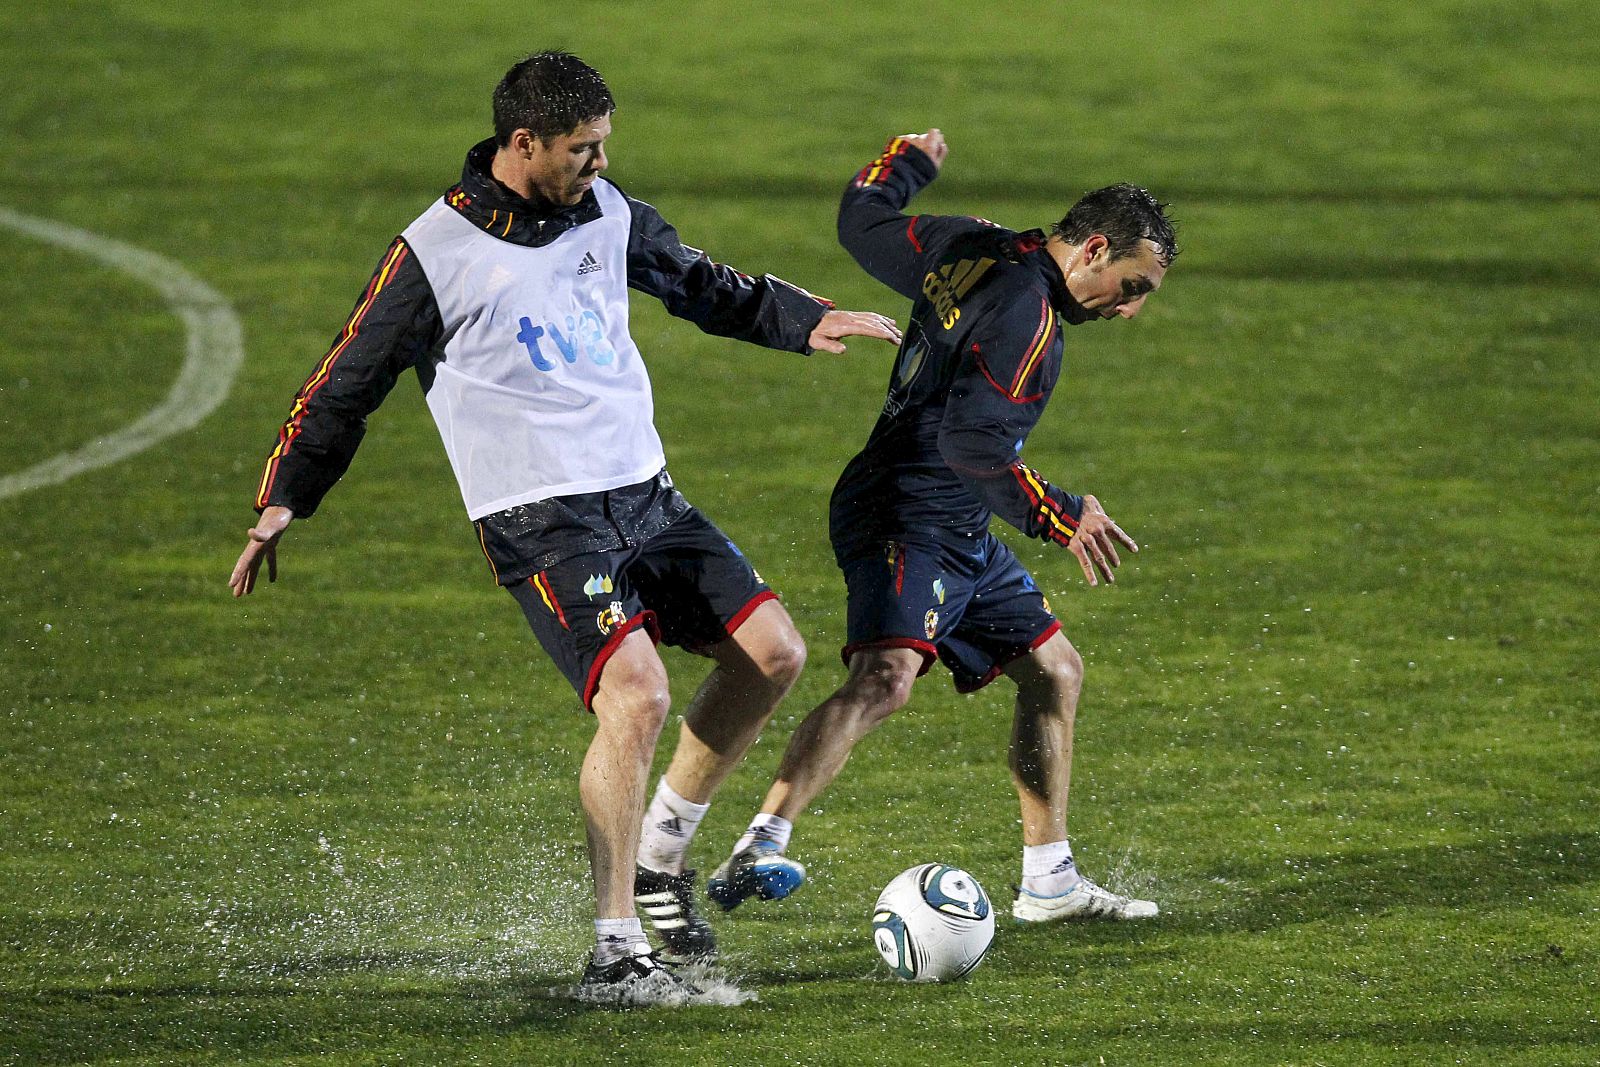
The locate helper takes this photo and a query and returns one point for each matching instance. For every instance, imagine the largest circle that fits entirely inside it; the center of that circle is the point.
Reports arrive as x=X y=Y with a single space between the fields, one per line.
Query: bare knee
x=781 y=658
x=1065 y=672
x=768 y=647
x=879 y=687
x=1053 y=672
x=633 y=696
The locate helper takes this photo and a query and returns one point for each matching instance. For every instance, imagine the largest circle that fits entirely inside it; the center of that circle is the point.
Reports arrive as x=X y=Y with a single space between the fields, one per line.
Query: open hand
x=1095 y=543
x=837 y=324
x=262 y=546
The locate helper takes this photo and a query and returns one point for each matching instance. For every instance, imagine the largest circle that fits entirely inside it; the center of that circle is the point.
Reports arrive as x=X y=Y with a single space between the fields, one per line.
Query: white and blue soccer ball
x=932 y=923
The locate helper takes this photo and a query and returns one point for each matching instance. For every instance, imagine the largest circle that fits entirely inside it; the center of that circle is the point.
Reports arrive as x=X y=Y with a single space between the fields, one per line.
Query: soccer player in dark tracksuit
x=910 y=516
x=509 y=296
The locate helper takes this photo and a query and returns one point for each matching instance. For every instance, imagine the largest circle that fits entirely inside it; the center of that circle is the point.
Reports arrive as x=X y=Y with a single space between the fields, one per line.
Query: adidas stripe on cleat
x=667 y=901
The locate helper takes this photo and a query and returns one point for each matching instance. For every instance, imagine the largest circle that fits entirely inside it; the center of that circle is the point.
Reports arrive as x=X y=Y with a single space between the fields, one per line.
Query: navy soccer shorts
x=976 y=611
x=688 y=586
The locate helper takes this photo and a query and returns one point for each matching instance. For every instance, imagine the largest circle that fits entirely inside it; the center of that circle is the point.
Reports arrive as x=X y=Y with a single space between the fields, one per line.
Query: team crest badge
x=611 y=617
x=1046 y=601
x=930 y=623
x=597 y=585
x=911 y=361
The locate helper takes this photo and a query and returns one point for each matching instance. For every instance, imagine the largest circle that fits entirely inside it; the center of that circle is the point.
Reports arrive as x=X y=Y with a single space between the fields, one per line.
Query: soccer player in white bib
x=509 y=298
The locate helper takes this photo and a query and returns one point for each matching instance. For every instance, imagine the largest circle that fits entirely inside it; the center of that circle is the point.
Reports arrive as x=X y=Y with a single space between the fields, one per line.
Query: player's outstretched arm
x=262 y=547
x=717 y=298
x=872 y=227
x=835 y=325
x=1095 y=543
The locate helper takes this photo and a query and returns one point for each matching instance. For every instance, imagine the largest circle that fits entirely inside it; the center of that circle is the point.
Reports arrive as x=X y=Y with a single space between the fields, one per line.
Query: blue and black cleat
x=759 y=871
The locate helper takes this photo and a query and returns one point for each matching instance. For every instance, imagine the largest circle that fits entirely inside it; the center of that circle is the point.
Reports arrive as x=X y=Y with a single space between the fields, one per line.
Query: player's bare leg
x=879 y=684
x=1049 y=681
x=754 y=669
x=630 y=707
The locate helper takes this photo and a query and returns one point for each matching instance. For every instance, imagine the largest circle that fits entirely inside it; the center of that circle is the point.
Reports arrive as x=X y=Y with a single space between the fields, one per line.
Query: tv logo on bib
x=584 y=335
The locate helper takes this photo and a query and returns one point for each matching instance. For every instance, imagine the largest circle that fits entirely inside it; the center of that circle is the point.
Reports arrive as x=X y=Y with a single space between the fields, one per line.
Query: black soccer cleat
x=667 y=900
x=640 y=978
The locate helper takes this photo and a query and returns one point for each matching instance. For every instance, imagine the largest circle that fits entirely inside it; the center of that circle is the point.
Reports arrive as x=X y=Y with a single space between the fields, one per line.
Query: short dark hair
x=549 y=94
x=1126 y=215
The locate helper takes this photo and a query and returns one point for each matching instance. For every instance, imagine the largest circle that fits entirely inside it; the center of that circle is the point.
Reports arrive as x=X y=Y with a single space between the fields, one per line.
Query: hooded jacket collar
x=488 y=204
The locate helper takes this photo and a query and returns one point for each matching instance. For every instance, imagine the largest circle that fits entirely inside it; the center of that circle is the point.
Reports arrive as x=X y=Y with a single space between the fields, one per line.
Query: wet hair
x=1125 y=214
x=549 y=94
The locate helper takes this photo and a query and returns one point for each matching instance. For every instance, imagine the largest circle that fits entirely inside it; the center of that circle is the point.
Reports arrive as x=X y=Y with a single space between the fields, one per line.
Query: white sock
x=766 y=828
x=1048 y=870
x=669 y=824
x=616 y=938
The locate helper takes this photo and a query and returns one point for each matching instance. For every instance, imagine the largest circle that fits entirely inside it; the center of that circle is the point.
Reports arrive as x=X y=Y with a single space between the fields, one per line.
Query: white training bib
x=541 y=391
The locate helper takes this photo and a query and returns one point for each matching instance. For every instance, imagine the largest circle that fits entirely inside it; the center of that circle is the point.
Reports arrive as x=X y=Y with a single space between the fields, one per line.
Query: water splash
x=701 y=986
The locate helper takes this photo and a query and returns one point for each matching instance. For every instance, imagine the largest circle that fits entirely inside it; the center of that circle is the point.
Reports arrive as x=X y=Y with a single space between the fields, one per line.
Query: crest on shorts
x=1046 y=601
x=611 y=617
x=930 y=623
x=597 y=585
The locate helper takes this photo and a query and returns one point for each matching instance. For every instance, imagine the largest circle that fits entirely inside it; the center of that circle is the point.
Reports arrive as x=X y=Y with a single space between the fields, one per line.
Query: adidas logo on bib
x=589 y=264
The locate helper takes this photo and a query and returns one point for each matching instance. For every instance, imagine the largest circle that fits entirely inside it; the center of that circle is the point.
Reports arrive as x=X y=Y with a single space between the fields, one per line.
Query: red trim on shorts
x=1049 y=632
x=995 y=671
x=647 y=619
x=737 y=620
x=929 y=652
x=740 y=616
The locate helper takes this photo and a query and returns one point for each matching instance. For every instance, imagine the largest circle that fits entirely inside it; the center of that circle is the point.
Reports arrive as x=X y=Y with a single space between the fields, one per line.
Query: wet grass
x=1340 y=716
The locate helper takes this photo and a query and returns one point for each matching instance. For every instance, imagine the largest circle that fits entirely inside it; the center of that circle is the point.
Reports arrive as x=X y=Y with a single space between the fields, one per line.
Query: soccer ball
x=932 y=923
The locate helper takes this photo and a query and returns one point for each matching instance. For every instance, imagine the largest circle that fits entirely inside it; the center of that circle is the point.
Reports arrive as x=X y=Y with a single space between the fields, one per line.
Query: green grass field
x=1341 y=713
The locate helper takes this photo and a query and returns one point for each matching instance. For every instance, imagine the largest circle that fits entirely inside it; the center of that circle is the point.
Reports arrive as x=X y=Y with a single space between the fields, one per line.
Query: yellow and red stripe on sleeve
x=1042 y=339
x=1036 y=350
x=291 y=426
x=1055 y=524
x=879 y=168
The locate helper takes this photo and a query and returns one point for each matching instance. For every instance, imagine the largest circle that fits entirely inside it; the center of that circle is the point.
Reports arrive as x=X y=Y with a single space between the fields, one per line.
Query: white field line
x=212 y=354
